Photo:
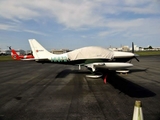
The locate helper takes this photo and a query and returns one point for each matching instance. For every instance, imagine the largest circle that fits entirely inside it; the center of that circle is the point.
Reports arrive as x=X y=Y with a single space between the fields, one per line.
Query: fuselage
x=90 y=56
x=15 y=56
x=26 y=56
x=63 y=58
x=122 y=56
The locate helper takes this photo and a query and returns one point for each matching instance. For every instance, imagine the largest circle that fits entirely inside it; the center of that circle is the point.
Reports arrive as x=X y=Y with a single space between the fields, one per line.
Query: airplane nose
x=130 y=54
x=123 y=54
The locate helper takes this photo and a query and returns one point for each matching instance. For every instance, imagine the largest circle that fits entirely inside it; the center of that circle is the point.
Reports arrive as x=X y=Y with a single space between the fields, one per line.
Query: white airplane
x=90 y=57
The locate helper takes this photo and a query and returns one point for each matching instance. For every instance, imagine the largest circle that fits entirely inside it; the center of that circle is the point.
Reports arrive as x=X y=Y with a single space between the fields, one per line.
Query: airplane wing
x=109 y=65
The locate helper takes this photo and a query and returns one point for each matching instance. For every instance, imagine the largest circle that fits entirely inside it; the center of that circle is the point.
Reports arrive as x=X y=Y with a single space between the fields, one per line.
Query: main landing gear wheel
x=95 y=75
x=122 y=71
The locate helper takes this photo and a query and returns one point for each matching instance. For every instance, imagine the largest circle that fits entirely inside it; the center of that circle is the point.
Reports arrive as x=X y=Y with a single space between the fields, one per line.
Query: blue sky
x=77 y=23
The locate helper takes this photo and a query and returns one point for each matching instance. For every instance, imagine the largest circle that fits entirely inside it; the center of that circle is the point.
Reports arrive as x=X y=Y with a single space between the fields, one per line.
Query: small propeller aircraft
x=15 y=56
x=91 y=57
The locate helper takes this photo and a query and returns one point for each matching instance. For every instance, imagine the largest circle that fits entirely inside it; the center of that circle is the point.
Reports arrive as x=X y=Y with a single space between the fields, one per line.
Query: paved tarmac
x=34 y=91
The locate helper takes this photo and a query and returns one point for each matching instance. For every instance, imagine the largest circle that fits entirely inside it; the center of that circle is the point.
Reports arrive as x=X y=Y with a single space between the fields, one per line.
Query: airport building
x=61 y=51
x=136 y=48
x=2 y=52
x=125 y=48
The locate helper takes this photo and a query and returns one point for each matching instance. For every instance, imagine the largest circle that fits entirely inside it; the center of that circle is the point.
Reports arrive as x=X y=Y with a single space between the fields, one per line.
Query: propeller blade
x=136 y=58
x=132 y=47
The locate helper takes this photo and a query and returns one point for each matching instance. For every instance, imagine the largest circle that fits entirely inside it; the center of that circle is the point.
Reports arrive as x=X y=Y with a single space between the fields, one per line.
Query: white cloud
x=70 y=14
x=136 y=2
x=124 y=23
x=79 y=15
x=16 y=9
x=7 y=27
x=84 y=36
x=133 y=28
x=35 y=32
x=74 y=14
x=110 y=32
x=142 y=10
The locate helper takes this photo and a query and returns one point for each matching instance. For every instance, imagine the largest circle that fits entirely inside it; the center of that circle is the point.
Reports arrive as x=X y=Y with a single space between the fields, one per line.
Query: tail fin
x=14 y=54
x=39 y=52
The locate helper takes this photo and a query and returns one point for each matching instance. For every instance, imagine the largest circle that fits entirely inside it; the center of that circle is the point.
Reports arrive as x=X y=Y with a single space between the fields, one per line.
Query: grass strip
x=6 y=58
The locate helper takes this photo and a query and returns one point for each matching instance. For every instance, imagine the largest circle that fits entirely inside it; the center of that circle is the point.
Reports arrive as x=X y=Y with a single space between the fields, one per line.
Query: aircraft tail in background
x=15 y=56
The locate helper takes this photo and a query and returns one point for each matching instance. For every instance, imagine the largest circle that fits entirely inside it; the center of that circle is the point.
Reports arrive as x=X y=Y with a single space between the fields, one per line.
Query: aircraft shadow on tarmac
x=129 y=88
x=125 y=86
x=66 y=72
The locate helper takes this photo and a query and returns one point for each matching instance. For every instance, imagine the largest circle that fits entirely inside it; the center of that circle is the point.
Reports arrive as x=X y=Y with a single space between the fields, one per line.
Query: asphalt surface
x=34 y=91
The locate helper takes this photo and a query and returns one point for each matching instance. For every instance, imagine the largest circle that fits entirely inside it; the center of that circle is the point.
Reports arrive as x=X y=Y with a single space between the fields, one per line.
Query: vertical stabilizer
x=14 y=54
x=39 y=52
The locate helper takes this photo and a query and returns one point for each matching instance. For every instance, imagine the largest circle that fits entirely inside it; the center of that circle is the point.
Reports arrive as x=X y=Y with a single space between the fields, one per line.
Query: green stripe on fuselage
x=59 y=59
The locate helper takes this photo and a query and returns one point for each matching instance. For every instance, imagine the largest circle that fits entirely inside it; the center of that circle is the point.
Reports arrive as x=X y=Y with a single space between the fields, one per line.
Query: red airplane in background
x=15 y=56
